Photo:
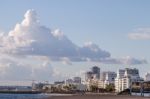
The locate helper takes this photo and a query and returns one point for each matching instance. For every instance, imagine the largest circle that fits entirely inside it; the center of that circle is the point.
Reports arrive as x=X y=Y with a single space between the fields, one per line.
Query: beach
x=97 y=97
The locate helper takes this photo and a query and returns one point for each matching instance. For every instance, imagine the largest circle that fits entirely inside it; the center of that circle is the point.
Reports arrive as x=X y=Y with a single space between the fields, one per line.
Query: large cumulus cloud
x=31 y=38
x=27 y=50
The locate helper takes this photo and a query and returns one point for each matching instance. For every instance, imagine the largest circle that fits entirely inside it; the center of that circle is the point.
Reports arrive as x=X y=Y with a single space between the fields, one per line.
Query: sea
x=24 y=96
x=30 y=96
x=139 y=94
x=44 y=96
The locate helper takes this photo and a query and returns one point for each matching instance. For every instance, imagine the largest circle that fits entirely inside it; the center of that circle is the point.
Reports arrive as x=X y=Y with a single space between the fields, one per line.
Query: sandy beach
x=97 y=97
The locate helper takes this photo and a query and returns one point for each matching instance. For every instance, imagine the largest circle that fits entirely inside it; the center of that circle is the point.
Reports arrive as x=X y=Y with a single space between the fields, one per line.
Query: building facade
x=77 y=80
x=92 y=77
x=88 y=75
x=106 y=78
x=125 y=77
x=147 y=77
x=96 y=72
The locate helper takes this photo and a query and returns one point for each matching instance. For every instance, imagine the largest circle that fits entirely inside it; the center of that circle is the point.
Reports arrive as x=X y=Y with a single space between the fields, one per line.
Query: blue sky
x=106 y=23
x=111 y=21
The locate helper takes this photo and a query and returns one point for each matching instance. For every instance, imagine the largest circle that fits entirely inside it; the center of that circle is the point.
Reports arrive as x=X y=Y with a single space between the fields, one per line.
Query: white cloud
x=28 y=49
x=92 y=52
x=128 y=60
x=132 y=61
x=58 y=34
x=31 y=38
x=140 y=34
x=22 y=69
x=66 y=60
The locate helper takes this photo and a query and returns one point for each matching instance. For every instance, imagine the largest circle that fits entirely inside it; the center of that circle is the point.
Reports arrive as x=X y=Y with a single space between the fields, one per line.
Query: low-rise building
x=77 y=80
x=59 y=82
x=69 y=81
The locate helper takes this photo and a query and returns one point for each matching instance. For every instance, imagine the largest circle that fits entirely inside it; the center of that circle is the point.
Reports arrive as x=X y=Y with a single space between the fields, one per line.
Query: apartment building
x=125 y=77
x=106 y=78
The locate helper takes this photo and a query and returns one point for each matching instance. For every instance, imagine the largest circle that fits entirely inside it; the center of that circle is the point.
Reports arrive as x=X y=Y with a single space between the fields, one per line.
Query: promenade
x=98 y=97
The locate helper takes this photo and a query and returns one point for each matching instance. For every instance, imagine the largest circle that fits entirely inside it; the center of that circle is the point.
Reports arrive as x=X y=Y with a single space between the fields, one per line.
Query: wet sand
x=98 y=97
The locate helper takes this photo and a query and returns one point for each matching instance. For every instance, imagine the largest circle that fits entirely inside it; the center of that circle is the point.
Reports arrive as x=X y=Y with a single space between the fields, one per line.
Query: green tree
x=94 y=88
x=110 y=88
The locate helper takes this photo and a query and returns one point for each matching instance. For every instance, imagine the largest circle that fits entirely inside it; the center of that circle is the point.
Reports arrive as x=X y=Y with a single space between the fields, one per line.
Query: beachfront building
x=96 y=72
x=75 y=83
x=77 y=80
x=70 y=84
x=69 y=81
x=101 y=84
x=93 y=74
x=74 y=80
x=59 y=82
x=92 y=77
x=91 y=83
x=118 y=80
x=147 y=77
x=106 y=78
x=88 y=76
x=110 y=78
x=125 y=77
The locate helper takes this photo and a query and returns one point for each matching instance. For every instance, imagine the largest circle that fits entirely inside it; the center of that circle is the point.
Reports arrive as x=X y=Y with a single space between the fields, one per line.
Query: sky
x=57 y=39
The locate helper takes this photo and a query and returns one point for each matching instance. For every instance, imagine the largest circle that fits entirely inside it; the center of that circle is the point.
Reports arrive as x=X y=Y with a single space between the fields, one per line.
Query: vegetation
x=94 y=88
x=110 y=88
x=69 y=87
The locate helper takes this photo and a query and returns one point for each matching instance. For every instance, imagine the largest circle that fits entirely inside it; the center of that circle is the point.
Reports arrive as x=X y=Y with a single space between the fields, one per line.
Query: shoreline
x=19 y=92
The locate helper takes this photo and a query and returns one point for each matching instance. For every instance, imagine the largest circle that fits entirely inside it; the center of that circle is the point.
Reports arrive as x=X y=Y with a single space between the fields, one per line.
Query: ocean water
x=24 y=96
x=139 y=94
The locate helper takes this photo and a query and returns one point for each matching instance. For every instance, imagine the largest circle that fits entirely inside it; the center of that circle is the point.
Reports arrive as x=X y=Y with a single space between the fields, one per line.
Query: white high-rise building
x=125 y=78
x=120 y=73
x=110 y=78
x=147 y=77
x=118 y=80
x=92 y=77
x=106 y=78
